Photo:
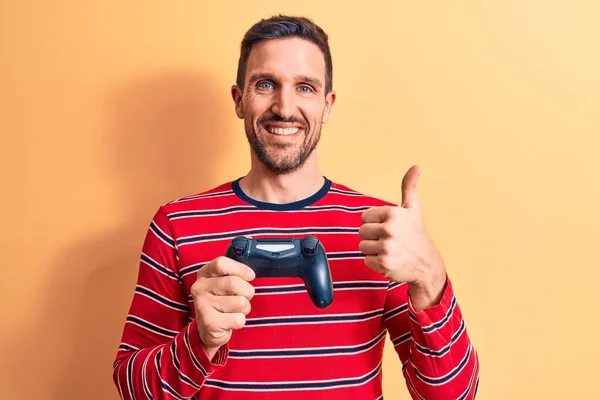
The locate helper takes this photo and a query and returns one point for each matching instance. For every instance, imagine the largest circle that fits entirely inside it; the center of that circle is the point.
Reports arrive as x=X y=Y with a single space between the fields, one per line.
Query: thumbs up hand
x=396 y=245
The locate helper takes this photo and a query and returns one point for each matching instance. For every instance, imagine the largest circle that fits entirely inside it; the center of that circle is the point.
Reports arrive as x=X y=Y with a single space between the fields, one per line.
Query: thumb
x=409 y=187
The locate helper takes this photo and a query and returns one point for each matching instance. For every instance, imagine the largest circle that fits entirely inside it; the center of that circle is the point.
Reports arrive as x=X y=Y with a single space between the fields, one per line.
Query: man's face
x=284 y=103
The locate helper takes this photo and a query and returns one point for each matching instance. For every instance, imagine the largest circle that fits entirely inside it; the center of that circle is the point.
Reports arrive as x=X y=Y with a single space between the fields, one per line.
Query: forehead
x=287 y=57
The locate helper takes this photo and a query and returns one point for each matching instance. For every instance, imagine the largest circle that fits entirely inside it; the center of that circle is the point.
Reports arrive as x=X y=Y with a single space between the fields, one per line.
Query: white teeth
x=283 y=131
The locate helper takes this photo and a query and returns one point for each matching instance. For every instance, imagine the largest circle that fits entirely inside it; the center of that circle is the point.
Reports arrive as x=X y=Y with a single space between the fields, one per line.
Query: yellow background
x=110 y=108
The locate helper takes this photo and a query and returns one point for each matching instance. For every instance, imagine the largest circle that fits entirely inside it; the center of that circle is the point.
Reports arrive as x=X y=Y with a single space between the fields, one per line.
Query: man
x=200 y=325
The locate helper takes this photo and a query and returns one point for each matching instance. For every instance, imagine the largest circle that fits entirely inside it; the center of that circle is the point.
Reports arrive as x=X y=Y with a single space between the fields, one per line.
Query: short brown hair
x=281 y=26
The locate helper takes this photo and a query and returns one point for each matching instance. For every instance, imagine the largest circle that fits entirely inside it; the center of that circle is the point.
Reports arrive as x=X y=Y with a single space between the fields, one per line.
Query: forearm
x=442 y=362
x=176 y=369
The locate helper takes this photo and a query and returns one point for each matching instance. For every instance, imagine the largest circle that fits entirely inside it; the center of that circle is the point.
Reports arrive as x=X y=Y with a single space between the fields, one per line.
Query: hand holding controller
x=303 y=258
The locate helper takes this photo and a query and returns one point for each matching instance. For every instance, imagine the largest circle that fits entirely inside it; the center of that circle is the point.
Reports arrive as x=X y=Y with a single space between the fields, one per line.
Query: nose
x=283 y=103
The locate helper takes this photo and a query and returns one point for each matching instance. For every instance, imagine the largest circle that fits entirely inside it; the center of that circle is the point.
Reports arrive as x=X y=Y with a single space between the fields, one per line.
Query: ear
x=236 y=94
x=329 y=101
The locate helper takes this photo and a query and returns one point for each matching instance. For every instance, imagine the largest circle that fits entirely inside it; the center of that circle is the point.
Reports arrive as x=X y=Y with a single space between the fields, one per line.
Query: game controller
x=303 y=258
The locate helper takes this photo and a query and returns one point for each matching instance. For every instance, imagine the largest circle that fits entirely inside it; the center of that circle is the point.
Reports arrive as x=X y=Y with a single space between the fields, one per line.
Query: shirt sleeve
x=438 y=359
x=160 y=355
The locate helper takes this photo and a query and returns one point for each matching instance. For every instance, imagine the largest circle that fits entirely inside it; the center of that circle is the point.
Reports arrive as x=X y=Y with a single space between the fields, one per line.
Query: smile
x=283 y=131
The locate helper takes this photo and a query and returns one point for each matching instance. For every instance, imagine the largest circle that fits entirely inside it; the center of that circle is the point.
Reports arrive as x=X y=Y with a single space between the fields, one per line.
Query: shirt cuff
x=218 y=361
x=437 y=312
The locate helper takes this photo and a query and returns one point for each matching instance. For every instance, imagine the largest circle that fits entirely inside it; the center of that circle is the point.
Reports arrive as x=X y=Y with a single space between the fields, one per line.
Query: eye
x=264 y=85
x=305 y=89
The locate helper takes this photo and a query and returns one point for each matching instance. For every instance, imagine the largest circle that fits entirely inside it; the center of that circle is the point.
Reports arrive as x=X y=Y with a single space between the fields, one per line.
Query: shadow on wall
x=166 y=140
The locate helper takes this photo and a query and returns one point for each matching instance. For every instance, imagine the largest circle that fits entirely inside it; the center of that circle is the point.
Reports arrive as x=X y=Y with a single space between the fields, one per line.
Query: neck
x=263 y=185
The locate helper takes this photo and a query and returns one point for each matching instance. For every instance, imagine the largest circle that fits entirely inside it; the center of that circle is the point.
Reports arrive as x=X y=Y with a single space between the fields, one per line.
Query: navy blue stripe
x=308 y=352
x=210 y=212
x=175 y=360
x=146 y=389
x=202 y=213
x=438 y=381
x=193 y=268
x=401 y=338
x=159 y=267
x=412 y=386
x=333 y=190
x=295 y=288
x=158 y=358
x=343 y=208
x=172 y=392
x=301 y=288
x=130 y=373
x=178 y=367
x=293 y=320
x=160 y=299
x=347 y=285
x=393 y=313
x=158 y=233
x=393 y=285
x=193 y=357
x=292 y=385
x=357 y=254
x=466 y=393
x=446 y=348
x=296 y=205
x=124 y=346
x=276 y=231
x=153 y=328
x=443 y=321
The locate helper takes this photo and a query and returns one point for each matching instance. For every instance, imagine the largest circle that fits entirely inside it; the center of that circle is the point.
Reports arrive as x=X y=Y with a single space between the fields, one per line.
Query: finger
x=375 y=214
x=223 y=266
x=409 y=187
x=232 y=321
x=374 y=231
x=231 y=304
x=230 y=286
x=373 y=262
x=369 y=247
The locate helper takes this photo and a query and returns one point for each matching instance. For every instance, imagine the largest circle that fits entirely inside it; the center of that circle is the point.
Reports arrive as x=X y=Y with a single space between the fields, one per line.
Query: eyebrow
x=316 y=82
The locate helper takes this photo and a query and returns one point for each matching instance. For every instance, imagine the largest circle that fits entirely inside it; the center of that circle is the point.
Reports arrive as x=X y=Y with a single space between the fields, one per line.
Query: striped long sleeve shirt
x=288 y=349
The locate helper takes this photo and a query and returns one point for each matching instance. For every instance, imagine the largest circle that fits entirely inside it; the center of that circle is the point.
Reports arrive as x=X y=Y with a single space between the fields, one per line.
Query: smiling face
x=284 y=103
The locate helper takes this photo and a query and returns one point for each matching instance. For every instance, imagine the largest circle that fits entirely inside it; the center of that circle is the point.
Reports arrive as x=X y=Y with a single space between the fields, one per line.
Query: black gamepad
x=303 y=258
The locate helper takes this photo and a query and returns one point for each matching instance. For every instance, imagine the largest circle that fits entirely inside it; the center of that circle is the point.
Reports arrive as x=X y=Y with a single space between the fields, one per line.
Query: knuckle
x=240 y=303
x=388 y=229
x=217 y=264
x=383 y=261
x=393 y=213
x=198 y=293
x=231 y=284
x=386 y=247
x=195 y=289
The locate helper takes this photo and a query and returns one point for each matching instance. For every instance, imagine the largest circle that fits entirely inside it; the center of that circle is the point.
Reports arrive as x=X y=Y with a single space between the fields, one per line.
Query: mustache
x=277 y=118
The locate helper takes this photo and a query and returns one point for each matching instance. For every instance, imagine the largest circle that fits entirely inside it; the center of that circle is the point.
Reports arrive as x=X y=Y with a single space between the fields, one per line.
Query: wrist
x=211 y=351
x=428 y=291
